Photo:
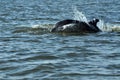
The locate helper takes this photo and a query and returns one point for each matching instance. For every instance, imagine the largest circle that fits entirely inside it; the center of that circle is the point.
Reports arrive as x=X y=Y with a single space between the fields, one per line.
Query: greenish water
x=28 y=51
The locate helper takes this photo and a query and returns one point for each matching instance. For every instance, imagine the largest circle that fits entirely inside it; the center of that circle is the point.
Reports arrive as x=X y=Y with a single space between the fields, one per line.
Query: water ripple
x=28 y=51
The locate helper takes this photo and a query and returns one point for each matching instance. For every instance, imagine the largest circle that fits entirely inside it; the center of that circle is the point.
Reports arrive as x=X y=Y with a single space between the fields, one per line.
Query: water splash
x=108 y=27
x=101 y=24
x=79 y=15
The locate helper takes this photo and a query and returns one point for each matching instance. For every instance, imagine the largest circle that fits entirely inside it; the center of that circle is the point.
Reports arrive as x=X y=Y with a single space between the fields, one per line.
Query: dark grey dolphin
x=76 y=26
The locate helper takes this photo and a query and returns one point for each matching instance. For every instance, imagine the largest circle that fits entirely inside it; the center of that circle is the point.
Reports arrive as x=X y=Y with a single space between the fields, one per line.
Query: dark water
x=28 y=51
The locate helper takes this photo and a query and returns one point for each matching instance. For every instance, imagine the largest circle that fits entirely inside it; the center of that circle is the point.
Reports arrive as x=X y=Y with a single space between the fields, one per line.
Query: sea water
x=29 y=51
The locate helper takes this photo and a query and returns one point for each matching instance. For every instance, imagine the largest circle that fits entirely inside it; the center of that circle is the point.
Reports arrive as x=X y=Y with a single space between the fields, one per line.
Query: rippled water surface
x=29 y=51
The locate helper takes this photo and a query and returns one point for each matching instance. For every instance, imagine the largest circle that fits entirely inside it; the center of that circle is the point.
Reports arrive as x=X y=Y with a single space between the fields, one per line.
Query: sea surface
x=29 y=51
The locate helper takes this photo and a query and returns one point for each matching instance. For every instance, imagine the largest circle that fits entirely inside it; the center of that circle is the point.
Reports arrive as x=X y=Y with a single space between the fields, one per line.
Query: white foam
x=36 y=26
x=108 y=27
x=45 y=26
x=116 y=28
